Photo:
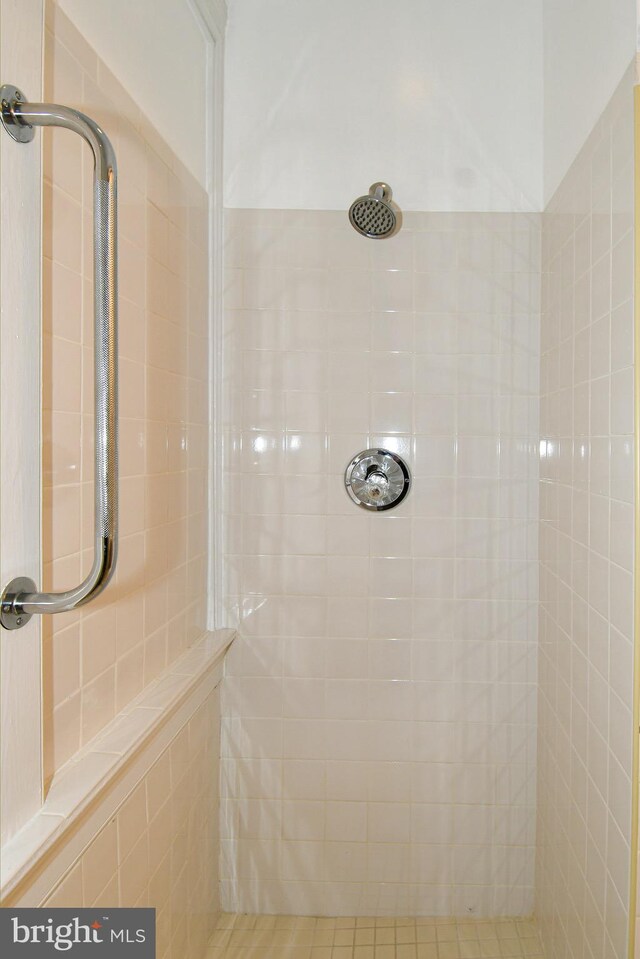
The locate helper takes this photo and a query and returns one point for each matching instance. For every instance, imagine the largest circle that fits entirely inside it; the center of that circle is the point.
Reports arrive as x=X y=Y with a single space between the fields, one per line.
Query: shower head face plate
x=372 y=217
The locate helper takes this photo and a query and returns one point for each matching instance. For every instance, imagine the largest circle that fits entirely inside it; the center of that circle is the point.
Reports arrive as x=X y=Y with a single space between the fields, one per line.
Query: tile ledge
x=82 y=780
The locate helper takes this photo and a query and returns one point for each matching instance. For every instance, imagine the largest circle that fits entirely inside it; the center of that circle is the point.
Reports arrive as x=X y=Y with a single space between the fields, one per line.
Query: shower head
x=375 y=215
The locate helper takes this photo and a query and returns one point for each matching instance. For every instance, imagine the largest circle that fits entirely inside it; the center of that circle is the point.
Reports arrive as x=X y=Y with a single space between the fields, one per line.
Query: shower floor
x=304 y=937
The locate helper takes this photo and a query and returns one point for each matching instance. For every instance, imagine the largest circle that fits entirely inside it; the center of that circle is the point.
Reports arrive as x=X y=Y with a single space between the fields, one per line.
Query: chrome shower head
x=375 y=215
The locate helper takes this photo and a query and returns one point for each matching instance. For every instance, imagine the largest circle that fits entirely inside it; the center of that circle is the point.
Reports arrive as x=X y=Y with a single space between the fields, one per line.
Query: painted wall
x=586 y=548
x=158 y=52
x=441 y=98
x=588 y=45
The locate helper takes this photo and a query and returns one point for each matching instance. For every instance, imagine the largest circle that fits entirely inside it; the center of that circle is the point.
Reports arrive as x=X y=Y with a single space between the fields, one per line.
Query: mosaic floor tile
x=306 y=937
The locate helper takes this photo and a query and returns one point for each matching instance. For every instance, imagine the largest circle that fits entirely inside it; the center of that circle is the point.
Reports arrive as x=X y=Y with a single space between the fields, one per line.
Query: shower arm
x=20 y=599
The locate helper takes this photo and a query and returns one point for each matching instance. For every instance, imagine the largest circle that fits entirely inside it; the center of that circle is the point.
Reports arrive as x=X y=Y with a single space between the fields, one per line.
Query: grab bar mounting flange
x=10 y=100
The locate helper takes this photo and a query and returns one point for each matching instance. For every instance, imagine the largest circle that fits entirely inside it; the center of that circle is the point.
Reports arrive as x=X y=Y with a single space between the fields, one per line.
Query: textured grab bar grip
x=106 y=396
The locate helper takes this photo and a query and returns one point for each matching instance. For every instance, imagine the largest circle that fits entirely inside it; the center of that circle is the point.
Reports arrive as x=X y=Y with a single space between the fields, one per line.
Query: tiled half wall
x=380 y=704
x=160 y=849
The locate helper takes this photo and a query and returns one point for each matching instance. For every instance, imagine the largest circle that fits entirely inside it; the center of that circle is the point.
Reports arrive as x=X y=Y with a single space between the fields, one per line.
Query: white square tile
x=370 y=607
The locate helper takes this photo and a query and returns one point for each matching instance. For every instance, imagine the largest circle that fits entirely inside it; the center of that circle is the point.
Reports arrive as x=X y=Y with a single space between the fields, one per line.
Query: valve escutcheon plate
x=377 y=479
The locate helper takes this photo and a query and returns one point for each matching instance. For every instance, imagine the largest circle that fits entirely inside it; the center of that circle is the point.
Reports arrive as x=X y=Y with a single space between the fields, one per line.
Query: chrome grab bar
x=20 y=598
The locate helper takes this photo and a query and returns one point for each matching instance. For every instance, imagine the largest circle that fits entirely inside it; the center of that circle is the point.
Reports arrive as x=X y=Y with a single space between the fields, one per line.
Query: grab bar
x=20 y=599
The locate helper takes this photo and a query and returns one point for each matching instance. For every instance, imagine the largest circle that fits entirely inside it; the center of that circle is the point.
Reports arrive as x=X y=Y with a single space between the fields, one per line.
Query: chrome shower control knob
x=377 y=479
x=377 y=483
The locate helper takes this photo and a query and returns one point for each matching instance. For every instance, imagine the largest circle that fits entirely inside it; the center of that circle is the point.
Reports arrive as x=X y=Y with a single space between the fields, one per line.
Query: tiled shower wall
x=98 y=659
x=161 y=847
x=380 y=705
x=586 y=548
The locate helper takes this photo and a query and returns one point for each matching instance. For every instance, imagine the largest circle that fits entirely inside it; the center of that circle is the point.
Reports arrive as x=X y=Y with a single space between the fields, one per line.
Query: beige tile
x=69 y=892
x=406 y=933
x=384 y=952
x=364 y=937
x=100 y=863
x=385 y=935
x=487 y=930
x=62 y=738
x=425 y=932
x=65 y=662
x=131 y=820
x=109 y=896
x=343 y=937
x=355 y=937
x=448 y=950
x=70 y=65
